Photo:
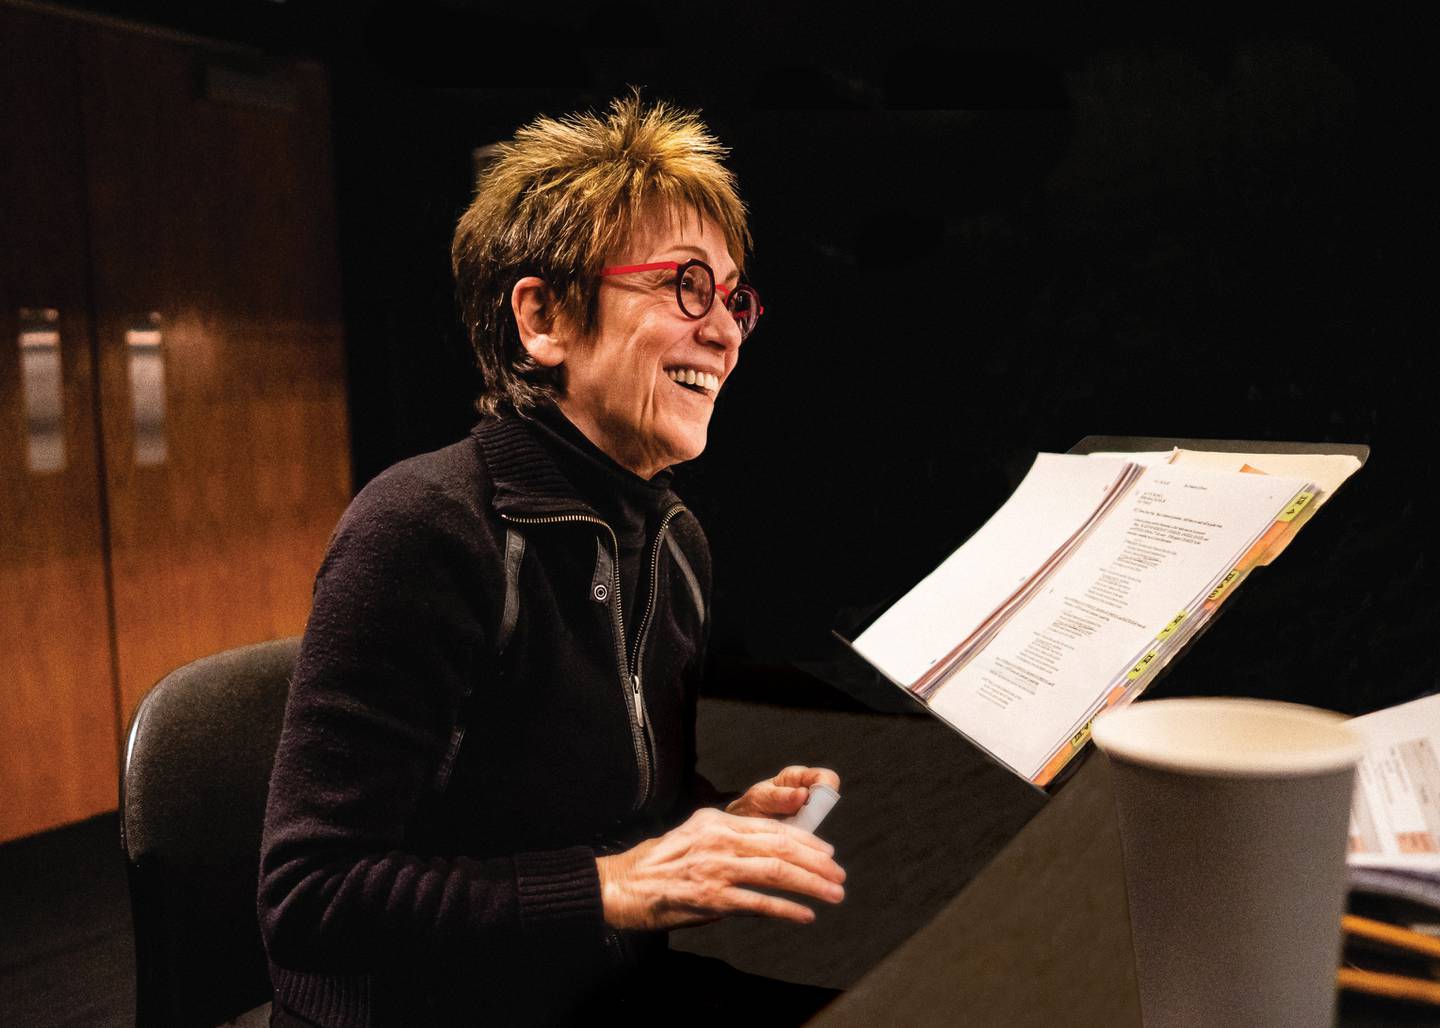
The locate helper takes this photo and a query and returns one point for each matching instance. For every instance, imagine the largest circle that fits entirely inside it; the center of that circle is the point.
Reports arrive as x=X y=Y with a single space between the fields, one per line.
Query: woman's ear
x=538 y=319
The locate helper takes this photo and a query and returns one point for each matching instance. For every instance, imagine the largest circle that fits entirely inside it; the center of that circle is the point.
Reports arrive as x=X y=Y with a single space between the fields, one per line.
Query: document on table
x=1395 y=817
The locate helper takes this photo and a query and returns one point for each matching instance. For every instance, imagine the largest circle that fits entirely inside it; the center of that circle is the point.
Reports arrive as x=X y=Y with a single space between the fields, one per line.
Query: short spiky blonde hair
x=555 y=202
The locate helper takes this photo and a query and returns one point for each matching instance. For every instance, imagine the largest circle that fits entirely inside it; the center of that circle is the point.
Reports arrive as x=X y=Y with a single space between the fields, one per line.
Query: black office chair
x=192 y=803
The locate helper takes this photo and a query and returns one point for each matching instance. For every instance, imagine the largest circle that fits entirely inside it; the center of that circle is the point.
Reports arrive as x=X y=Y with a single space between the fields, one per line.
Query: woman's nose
x=719 y=326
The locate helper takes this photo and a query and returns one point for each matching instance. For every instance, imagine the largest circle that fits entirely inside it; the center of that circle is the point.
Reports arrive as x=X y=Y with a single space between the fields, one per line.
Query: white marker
x=822 y=800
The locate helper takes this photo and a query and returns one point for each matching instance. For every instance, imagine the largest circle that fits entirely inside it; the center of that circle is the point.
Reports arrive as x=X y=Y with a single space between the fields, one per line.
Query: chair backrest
x=192 y=804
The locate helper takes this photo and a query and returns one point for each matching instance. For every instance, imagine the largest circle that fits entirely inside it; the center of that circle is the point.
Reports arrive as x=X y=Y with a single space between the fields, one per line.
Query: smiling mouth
x=701 y=382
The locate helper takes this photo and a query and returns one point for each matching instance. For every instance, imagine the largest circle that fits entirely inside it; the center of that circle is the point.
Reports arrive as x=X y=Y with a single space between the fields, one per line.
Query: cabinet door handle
x=145 y=353
x=41 y=383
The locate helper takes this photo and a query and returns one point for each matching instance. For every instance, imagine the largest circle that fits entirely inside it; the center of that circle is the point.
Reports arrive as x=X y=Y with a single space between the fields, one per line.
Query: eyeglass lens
x=744 y=306
x=695 y=291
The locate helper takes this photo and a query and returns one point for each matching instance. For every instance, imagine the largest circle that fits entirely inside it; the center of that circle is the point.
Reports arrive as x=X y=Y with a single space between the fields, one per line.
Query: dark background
x=975 y=240
x=979 y=236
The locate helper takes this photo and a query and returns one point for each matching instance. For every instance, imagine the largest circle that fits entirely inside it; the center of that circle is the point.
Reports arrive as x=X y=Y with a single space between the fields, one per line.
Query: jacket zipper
x=640 y=733
x=637 y=656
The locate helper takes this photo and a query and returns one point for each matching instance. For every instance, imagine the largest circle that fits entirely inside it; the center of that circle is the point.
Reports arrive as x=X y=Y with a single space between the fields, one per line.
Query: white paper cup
x=1233 y=819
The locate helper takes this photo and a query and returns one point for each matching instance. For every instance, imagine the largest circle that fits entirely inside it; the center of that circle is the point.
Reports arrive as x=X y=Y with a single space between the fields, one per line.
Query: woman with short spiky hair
x=485 y=802
x=555 y=203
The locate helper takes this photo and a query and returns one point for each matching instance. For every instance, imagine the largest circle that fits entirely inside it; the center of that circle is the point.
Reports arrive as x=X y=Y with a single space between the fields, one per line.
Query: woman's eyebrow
x=688 y=248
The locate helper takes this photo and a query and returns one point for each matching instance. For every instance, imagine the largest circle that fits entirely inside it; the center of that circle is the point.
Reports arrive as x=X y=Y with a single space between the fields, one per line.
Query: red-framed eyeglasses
x=695 y=289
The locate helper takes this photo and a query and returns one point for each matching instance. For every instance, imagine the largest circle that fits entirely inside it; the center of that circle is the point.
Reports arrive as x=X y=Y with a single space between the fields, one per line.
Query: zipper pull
x=639 y=700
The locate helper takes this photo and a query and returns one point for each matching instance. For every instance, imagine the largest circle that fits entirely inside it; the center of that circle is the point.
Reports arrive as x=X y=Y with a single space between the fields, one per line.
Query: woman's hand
x=699 y=872
x=784 y=794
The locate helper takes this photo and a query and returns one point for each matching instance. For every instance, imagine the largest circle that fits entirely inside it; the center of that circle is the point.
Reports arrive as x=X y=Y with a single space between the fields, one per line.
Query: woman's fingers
x=802 y=776
x=778 y=799
x=766 y=826
x=711 y=866
x=773 y=872
x=783 y=795
x=792 y=851
x=761 y=852
x=757 y=904
x=769 y=800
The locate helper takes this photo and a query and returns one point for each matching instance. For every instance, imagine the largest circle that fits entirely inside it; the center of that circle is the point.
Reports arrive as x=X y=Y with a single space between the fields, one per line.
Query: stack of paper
x=1089 y=579
x=1395 y=820
x=1392 y=936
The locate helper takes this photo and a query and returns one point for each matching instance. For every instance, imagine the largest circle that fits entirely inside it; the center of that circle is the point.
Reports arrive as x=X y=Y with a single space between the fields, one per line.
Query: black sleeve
x=395 y=629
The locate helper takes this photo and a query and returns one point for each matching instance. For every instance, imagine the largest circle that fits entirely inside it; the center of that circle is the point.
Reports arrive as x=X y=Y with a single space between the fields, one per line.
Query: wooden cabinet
x=167 y=223
x=57 y=697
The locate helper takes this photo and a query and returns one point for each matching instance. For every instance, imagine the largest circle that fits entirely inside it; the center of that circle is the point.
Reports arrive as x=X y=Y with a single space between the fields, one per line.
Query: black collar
x=527 y=481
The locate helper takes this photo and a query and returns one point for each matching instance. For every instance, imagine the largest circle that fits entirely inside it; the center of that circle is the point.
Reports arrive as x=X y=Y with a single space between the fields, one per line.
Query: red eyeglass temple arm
x=627 y=269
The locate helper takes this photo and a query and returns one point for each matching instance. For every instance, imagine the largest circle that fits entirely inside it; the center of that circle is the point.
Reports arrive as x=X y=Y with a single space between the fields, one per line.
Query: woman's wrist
x=613 y=898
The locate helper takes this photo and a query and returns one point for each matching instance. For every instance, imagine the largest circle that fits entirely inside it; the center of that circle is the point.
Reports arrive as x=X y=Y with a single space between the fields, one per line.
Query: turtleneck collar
x=630 y=503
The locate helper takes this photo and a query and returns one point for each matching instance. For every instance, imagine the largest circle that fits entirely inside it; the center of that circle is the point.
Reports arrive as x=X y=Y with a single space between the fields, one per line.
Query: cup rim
x=1263 y=737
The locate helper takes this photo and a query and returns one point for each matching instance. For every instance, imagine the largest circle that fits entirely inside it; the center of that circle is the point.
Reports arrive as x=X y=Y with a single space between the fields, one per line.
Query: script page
x=1153 y=555
x=1058 y=494
x=1395 y=818
x=1326 y=470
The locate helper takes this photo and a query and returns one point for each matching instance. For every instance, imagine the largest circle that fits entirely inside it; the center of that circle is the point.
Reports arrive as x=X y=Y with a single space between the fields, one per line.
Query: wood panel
x=211 y=203
x=57 y=700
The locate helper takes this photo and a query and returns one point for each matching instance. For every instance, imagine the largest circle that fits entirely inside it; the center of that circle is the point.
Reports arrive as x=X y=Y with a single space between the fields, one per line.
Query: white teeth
x=689 y=376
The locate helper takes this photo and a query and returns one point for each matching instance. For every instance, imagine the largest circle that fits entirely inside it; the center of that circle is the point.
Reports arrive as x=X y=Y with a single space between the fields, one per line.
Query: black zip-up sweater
x=437 y=803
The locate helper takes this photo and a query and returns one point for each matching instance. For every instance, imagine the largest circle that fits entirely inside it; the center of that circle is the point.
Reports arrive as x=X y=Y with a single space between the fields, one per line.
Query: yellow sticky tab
x=1081 y=737
x=1140 y=665
x=1301 y=501
x=1173 y=624
x=1225 y=583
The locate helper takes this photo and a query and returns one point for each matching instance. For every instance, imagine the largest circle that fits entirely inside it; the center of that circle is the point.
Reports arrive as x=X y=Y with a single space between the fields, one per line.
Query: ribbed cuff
x=559 y=888
x=339 y=1000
